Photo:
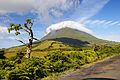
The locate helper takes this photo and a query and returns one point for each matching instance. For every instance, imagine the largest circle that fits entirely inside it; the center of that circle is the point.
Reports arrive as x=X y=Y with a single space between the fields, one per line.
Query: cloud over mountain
x=69 y=24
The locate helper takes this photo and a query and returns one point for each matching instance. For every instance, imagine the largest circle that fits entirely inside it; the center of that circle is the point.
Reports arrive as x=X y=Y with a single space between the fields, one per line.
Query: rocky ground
x=106 y=70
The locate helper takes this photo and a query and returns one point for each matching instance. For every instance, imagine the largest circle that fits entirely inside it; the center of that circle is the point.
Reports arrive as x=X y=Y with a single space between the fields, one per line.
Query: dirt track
x=108 y=69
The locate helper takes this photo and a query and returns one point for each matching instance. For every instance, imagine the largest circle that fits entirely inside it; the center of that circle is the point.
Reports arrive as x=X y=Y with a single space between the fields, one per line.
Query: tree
x=27 y=28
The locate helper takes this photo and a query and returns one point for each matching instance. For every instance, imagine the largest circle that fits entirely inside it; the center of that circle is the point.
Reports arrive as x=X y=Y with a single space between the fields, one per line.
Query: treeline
x=19 y=68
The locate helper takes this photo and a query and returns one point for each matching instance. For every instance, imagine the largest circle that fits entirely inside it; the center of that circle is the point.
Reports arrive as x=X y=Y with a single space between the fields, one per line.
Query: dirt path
x=106 y=70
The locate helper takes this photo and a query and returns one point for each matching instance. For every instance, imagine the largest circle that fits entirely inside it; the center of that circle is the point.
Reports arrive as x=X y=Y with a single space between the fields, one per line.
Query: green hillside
x=54 y=55
x=66 y=38
x=76 y=38
x=38 y=49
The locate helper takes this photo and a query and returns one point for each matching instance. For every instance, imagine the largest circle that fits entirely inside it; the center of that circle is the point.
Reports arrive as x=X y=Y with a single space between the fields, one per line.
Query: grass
x=37 y=47
x=39 y=54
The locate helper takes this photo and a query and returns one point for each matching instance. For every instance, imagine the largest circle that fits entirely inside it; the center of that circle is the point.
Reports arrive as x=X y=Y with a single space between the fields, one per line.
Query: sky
x=102 y=17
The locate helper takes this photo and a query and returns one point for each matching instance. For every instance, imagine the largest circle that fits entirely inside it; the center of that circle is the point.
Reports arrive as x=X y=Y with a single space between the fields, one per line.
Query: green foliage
x=16 y=33
x=11 y=24
x=14 y=27
x=90 y=56
x=20 y=54
x=17 y=27
x=28 y=20
x=9 y=30
x=57 y=61
x=28 y=70
x=17 y=74
x=25 y=24
x=2 y=54
x=17 y=58
x=54 y=62
x=12 y=58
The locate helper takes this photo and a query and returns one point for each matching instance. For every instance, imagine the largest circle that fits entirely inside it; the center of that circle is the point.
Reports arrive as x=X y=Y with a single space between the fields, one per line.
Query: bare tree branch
x=21 y=41
x=31 y=24
x=25 y=26
x=25 y=29
x=35 y=39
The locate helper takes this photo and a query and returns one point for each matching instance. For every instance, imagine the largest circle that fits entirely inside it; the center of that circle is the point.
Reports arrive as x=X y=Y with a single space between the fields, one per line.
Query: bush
x=54 y=62
x=18 y=57
x=2 y=54
x=20 y=54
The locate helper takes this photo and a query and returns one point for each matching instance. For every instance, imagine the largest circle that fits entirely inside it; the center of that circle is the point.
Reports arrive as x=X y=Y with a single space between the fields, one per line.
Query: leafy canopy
x=17 y=27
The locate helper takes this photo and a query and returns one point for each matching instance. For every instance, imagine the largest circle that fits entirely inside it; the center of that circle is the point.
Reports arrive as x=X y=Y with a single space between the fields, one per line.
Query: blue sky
x=100 y=16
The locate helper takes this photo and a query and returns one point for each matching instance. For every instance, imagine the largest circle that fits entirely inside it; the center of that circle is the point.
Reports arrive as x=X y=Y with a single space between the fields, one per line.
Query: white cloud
x=110 y=37
x=114 y=23
x=56 y=13
x=4 y=33
x=108 y=22
x=101 y=22
x=94 y=22
x=13 y=6
x=44 y=8
x=70 y=24
x=97 y=21
x=5 y=19
x=3 y=30
x=89 y=8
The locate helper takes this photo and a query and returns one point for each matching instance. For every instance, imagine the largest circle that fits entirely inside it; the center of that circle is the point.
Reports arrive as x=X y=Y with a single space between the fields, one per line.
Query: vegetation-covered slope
x=51 y=64
x=39 y=49
x=54 y=55
x=75 y=37
x=65 y=38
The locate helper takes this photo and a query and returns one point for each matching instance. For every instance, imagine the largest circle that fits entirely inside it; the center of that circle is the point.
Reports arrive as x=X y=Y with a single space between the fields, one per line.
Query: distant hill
x=75 y=38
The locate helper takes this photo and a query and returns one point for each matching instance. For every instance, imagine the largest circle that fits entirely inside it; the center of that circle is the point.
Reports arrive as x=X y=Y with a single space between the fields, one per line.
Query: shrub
x=18 y=57
x=54 y=62
x=20 y=54
x=2 y=54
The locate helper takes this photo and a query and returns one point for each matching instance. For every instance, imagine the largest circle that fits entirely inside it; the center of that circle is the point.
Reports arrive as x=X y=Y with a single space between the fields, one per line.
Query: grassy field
x=40 y=49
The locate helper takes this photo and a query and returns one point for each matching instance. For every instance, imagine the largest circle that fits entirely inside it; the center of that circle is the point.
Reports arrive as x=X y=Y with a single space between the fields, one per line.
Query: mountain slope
x=75 y=37
x=65 y=38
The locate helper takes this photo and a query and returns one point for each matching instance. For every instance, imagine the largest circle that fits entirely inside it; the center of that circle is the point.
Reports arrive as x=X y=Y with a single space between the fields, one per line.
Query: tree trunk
x=28 y=52
x=29 y=45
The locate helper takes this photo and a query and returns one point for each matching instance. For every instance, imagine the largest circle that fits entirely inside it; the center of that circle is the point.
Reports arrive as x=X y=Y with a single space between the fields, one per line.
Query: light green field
x=36 y=50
